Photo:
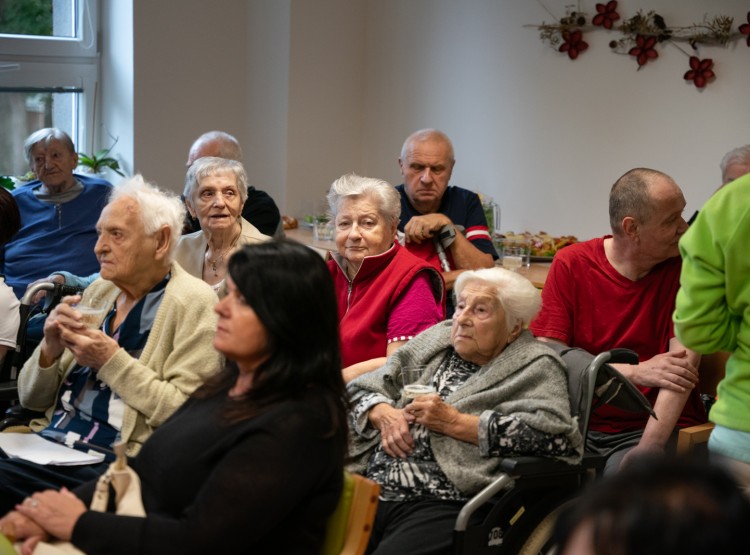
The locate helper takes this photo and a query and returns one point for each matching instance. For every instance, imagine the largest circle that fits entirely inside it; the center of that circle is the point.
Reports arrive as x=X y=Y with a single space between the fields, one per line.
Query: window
x=48 y=73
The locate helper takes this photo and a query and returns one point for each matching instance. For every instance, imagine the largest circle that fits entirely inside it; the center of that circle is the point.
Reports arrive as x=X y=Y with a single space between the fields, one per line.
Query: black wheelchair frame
x=15 y=359
x=526 y=498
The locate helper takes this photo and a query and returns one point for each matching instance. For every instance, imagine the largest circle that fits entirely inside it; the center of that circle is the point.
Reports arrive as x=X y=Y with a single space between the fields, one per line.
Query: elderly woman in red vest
x=386 y=295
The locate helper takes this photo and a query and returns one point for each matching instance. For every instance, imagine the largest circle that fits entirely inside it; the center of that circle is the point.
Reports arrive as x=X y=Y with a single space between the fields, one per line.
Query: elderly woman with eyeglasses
x=499 y=393
x=386 y=295
x=215 y=192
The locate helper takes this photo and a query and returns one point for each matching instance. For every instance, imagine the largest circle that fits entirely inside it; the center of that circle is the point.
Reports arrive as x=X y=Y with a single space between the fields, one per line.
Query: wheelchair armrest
x=502 y=482
x=535 y=465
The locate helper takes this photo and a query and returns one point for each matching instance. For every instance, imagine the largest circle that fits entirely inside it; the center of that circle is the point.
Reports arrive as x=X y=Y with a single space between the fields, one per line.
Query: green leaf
x=6 y=182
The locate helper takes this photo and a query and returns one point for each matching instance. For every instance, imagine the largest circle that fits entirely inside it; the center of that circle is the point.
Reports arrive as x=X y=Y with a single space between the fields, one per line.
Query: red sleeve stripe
x=478 y=232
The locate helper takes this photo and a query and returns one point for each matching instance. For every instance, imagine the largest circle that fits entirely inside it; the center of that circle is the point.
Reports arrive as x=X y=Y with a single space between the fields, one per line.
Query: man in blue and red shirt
x=437 y=217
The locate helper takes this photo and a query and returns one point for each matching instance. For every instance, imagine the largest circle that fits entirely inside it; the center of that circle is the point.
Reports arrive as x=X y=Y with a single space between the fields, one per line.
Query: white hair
x=46 y=136
x=211 y=165
x=156 y=208
x=352 y=185
x=739 y=155
x=517 y=296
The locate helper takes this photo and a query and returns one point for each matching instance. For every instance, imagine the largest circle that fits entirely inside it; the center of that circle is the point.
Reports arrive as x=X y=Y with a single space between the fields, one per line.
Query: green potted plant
x=100 y=160
x=7 y=182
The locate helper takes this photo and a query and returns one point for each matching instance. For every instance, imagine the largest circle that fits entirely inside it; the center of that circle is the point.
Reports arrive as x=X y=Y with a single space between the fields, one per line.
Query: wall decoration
x=641 y=35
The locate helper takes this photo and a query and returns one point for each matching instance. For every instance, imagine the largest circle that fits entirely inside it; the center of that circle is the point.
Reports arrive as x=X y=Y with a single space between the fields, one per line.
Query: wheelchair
x=526 y=498
x=14 y=360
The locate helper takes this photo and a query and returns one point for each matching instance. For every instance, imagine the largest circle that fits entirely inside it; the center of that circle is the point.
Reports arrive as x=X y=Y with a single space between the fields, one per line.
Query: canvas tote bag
x=127 y=488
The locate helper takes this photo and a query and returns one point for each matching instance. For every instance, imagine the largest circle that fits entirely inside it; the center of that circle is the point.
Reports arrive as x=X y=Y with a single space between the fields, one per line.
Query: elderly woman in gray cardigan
x=499 y=393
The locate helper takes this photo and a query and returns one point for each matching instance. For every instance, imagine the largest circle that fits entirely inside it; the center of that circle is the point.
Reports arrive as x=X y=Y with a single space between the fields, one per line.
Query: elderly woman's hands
x=19 y=527
x=55 y=511
x=64 y=329
x=438 y=416
x=394 y=430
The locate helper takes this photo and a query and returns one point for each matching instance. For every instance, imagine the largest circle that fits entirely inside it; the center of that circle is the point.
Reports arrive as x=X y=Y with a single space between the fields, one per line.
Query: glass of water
x=513 y=253
x=414 y=384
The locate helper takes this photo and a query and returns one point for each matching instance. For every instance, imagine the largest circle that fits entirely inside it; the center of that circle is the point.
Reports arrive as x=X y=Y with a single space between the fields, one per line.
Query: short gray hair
x=46 y=136
x=517 y=296
x=424 y=135
x=630 y=196
x=156 y=207
x=210 y=166
x=352 y=185
x=739 y=155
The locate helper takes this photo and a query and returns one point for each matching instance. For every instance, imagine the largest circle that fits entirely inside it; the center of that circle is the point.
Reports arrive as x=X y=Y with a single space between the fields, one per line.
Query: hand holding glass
x=92 y=310
x=412 y=388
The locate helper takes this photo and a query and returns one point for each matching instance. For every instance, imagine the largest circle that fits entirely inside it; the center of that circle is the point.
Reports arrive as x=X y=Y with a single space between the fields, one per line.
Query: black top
x=263 y=485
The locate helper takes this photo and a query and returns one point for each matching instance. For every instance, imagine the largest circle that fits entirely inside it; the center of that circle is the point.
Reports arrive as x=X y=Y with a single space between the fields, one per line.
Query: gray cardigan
x=527 y=380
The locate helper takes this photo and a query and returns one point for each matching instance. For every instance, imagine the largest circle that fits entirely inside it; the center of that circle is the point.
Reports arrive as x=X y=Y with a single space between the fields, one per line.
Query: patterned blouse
x=419 y=476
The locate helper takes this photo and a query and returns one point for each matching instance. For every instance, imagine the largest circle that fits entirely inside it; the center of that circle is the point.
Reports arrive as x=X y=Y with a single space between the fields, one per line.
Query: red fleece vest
x=365 y=303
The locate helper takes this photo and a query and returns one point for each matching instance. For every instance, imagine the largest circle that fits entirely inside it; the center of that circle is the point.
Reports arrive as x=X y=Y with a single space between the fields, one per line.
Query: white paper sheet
x=34 y=448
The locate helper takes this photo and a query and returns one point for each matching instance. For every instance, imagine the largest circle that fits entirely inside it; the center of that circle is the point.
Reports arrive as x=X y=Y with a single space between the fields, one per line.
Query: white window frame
x=84 y=45
x=58 y=62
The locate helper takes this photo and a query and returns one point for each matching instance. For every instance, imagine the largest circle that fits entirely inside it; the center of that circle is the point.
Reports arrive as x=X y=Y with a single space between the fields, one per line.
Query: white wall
x=188 y=77
x=316 y=88
x=116 y=84
x=544 y=135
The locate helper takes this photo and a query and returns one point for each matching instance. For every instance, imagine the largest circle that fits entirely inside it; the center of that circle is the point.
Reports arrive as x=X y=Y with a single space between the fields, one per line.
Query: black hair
x=10 y=217
x=291 y=291
x=658 y=505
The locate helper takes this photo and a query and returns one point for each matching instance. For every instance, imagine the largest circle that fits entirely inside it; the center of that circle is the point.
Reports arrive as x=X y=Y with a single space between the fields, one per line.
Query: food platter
x=543 y=245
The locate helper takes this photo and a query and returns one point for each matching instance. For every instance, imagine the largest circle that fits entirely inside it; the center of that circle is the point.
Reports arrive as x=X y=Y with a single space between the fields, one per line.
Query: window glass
x=23 y=112
x=49 y=71
x=46 y=18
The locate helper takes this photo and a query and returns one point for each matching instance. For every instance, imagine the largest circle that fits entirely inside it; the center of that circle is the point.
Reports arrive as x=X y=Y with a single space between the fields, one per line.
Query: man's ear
x=630 y=227
x=163 y=242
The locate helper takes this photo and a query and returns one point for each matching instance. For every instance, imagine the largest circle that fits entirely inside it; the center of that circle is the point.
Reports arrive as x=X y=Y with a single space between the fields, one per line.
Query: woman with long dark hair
x=253 y=463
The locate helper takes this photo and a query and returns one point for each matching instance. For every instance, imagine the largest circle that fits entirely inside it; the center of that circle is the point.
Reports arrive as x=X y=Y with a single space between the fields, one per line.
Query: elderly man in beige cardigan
x=149 y=350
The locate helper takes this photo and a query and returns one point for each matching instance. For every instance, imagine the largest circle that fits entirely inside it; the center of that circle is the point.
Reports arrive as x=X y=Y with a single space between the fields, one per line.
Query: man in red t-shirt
x=619 y=291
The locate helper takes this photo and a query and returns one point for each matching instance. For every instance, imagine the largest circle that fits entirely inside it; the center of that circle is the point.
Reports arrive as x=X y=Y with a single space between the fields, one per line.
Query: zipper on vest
x=349 y=294
x=58 y=207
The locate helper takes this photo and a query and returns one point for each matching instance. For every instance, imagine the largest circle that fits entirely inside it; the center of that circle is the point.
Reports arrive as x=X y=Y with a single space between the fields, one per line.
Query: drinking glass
x=322 y=228
x=513 y=253
x=92 y=310
x=411 y=377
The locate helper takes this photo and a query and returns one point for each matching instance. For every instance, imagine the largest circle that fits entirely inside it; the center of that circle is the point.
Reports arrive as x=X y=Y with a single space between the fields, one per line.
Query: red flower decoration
x=745 y=28
x=700 y=71
x=574 y=44
x=607 y=14
x=644 y=49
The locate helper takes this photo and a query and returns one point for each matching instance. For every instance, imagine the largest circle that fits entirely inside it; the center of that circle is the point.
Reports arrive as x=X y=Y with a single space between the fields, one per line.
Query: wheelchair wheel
x=539 y=541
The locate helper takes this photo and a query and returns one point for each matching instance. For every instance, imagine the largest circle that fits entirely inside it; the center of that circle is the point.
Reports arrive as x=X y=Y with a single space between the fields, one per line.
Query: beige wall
x=316 y=88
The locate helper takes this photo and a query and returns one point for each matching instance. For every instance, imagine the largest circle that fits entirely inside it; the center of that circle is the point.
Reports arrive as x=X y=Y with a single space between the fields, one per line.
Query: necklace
x=217 y=260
